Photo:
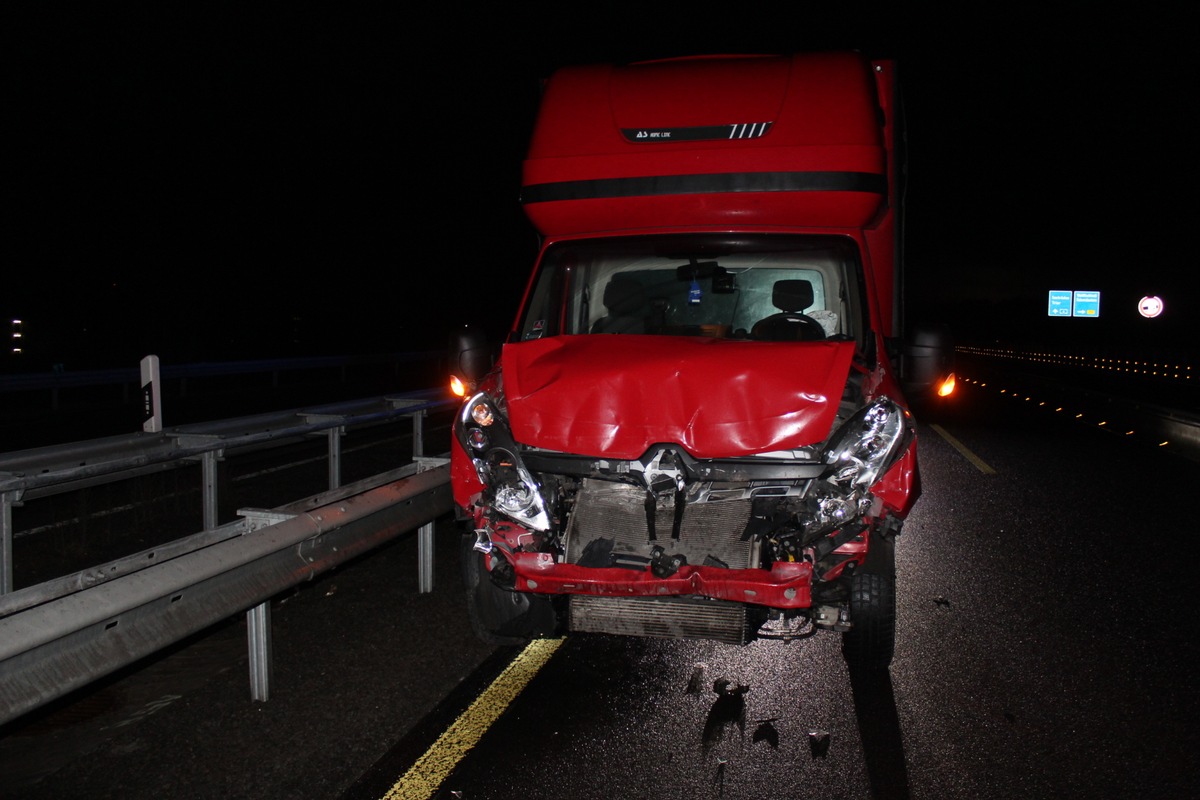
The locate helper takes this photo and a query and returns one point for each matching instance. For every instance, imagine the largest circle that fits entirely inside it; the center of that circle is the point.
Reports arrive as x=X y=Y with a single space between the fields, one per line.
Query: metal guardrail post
x=425 y=547
x=335 y=457
x=333 y=436
x=258 y=618
x=419 y=434
x=208 y=473
x=425 y=551
x=7 y=500
x=258 y=639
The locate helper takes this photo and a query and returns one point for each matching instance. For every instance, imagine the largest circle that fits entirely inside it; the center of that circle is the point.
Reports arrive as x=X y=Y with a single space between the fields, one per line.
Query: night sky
x=224 y=185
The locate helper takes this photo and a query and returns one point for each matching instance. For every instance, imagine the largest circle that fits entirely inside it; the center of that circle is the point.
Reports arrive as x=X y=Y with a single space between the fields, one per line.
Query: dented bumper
x=786 y=585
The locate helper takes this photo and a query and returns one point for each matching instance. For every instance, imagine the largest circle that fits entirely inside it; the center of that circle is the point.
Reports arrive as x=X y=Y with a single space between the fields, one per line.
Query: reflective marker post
x=151 y=397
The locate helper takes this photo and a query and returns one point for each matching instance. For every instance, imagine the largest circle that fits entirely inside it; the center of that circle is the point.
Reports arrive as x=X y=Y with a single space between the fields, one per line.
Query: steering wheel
x=788 y=327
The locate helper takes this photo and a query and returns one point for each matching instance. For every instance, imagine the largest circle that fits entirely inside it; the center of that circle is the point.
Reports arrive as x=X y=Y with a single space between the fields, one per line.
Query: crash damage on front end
x=644 y=496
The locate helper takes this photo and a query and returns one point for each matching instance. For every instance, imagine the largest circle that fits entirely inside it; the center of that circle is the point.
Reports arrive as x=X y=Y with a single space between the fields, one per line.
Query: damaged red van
x=696 y=427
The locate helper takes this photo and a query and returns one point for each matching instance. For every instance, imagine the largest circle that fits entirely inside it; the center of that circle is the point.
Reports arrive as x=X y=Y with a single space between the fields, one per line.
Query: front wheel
x=871 y=643
x=502 y=616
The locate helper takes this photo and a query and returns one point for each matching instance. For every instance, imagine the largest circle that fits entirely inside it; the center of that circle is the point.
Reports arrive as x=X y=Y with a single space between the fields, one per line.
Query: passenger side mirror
x=927 y=362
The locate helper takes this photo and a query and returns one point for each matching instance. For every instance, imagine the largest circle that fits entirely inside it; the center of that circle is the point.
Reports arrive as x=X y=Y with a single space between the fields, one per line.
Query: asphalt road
x=1046 y=649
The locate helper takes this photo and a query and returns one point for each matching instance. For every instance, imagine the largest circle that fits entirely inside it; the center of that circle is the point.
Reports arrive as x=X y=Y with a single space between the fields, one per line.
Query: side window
x=560 y=302
x=539 y=320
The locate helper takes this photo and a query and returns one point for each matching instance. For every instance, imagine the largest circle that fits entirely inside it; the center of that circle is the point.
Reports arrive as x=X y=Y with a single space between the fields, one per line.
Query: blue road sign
x=1086 y=304
x=1060 y=303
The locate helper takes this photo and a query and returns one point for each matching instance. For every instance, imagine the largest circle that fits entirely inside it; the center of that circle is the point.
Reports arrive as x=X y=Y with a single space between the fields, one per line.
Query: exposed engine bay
x=671 y=546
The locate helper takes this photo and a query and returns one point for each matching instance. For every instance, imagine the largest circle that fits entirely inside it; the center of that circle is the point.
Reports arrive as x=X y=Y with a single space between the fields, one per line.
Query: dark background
x=225 y=184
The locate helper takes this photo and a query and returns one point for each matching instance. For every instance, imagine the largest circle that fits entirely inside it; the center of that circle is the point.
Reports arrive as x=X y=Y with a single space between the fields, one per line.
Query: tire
x=871 y=643
x=501 y=616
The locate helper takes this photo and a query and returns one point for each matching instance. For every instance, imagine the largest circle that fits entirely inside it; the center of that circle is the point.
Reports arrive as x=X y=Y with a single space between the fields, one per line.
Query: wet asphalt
x=1046 y=649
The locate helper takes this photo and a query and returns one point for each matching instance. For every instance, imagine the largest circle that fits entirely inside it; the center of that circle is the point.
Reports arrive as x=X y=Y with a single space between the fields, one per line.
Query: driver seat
x=625 y=299
x=791 y=297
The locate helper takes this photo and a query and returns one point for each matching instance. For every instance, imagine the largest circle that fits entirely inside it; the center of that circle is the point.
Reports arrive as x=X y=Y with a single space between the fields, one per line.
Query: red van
x=696 y=427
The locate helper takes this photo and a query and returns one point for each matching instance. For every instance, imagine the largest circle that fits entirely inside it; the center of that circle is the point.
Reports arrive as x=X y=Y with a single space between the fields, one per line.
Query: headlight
x=868 y=443
x=481 y=411
x=483 y=431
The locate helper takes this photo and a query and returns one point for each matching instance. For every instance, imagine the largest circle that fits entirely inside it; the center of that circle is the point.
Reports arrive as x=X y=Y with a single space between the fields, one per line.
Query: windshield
x=771 y=288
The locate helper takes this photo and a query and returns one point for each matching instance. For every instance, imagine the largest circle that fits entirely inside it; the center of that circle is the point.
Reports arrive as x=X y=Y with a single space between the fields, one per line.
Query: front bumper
x=786 y=585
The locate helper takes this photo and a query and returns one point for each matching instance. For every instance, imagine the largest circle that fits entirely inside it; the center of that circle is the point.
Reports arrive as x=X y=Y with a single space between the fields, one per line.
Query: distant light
x=1150 y=306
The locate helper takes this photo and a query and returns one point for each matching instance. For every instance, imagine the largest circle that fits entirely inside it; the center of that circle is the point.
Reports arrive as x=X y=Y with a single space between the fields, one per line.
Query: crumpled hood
x=615 y=395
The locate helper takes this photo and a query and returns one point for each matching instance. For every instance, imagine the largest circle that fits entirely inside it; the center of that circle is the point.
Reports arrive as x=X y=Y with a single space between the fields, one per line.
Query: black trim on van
x=716 y=183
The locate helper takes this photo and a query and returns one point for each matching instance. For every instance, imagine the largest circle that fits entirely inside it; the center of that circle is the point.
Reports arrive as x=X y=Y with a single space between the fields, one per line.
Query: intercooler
x=661 y=617
x=709 y=533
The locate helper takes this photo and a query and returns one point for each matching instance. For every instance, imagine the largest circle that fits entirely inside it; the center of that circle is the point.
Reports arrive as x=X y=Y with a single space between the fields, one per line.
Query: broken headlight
x=868 y=444
x=483 y=432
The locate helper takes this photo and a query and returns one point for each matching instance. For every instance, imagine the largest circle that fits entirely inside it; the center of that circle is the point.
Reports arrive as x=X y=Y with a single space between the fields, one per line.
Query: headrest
x=624 y=296
x=791 y=295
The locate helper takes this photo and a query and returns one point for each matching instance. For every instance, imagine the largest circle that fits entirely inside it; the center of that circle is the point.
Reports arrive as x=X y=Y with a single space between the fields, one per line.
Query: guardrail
x=61 y=634
x=56 y=407
x=101 y=620
x=30 y=474
x=130 y=377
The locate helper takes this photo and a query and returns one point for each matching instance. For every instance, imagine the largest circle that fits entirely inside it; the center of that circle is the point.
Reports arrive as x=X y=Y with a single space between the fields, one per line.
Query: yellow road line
x=979 y=463
x=427 y=773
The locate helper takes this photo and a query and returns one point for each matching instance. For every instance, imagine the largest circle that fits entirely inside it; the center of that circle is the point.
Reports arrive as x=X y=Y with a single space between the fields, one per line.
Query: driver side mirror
x=470 y=358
